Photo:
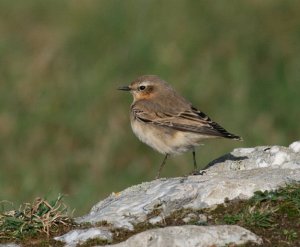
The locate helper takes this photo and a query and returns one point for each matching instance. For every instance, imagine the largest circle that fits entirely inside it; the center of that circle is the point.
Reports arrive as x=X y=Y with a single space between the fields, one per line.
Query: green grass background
x=64 y=128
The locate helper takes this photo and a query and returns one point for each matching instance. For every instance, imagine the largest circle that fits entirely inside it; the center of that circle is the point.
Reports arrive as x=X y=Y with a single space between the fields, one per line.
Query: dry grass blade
x=40 y=216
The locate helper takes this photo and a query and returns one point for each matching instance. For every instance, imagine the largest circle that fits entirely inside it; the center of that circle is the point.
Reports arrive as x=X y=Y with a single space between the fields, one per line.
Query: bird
x=163 y=119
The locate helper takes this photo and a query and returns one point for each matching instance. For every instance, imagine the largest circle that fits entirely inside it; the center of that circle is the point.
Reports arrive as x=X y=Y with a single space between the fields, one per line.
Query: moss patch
x=274 y=216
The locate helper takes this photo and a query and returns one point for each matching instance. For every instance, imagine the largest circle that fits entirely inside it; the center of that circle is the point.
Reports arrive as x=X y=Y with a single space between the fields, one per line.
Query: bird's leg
x=194 y=159
x=161 y=166
x=196 y=172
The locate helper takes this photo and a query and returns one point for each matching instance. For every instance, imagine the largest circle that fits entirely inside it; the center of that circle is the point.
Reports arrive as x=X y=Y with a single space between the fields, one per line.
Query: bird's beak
x=124 y=88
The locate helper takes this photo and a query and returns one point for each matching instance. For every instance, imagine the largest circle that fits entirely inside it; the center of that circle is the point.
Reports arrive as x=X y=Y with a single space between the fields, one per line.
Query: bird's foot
x=197 y=172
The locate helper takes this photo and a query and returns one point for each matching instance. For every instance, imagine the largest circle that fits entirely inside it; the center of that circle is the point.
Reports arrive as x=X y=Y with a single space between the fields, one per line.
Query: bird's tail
x=224 y=133
x=233 y=136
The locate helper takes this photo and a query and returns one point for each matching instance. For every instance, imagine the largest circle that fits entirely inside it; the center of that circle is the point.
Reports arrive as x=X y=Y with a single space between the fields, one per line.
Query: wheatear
x=166 y=121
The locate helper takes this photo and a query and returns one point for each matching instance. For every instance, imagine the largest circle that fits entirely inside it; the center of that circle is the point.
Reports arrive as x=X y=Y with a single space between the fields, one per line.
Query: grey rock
x=75 y=237
x=236 y=175
x=156 y=220
x=191 y=236
x=10 y=245
x=295 y=146
x=258 y=157
x=202 y=219
x=190 y=217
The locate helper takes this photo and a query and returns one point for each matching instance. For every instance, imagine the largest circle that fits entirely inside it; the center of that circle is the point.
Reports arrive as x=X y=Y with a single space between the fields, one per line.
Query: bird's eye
x=142 y=88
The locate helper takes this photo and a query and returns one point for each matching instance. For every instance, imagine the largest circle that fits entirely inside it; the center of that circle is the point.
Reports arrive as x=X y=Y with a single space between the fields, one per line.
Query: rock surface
x=258 y=157
x=9 y=245
x=132 y=205
x=75 y=237
x=236 y=175
x=192 y=236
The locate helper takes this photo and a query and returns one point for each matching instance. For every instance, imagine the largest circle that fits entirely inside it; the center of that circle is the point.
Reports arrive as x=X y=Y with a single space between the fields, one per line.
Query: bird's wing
x=191 y=120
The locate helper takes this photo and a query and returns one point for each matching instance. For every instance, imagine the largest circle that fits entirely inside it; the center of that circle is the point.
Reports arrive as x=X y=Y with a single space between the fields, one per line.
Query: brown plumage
x=166 y=121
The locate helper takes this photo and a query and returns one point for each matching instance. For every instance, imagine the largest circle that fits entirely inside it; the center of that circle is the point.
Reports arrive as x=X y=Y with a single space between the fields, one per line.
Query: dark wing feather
x=192 y=120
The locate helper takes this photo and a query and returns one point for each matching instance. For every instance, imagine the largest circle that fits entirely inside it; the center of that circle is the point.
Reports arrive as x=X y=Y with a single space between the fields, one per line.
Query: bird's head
x=145 y=87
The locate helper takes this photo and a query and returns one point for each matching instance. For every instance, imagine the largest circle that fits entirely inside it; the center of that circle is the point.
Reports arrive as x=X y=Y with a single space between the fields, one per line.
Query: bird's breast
x=163 y=139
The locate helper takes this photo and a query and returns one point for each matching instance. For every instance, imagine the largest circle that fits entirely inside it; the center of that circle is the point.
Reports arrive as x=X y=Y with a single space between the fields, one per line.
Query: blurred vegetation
x=64 y=128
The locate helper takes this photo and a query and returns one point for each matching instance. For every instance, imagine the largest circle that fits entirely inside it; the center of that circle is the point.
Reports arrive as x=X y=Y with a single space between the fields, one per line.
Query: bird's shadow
x=224 y=158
